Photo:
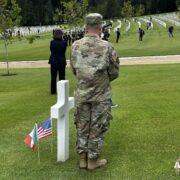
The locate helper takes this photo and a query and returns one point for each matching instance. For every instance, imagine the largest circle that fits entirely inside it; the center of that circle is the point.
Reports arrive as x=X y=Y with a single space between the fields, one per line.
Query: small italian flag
x=32 y=138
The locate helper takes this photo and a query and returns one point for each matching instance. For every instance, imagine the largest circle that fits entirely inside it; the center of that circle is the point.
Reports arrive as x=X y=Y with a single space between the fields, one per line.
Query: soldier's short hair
x=93 y=19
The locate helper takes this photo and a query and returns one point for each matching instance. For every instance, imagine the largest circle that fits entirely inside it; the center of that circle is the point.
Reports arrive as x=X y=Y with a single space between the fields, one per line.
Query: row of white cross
x=162 y=23
x=35 y=30
x=128 y=25
x=173 y=19
x=119 y=25
x=146 y=20
x=24 y=31
x=139 y=24
x=31 y=30
x=176 y=23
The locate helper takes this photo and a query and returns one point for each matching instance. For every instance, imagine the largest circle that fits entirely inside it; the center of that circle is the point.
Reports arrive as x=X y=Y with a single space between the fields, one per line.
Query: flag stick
x=39 y=161
x=51 y=137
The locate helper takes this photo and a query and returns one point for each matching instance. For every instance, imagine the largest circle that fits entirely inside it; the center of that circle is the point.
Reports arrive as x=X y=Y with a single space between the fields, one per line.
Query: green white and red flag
x=32 y=138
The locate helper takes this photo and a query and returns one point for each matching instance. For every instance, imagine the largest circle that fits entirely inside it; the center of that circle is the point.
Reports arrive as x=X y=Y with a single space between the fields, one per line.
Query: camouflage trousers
x=92 y=121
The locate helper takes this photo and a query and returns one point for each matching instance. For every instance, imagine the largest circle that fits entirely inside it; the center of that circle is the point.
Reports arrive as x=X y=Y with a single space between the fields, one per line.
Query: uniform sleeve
x=113 y=69
x=73 y=59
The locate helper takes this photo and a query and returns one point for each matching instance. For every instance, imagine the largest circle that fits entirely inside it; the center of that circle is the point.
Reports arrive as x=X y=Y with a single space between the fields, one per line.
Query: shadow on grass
x=11 y=74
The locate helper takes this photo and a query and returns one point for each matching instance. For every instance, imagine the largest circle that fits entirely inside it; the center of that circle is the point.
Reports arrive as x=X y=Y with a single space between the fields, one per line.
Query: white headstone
x=60 y=111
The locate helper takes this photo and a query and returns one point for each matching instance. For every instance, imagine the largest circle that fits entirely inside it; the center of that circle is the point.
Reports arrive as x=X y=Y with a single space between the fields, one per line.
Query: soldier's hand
x=117 y=60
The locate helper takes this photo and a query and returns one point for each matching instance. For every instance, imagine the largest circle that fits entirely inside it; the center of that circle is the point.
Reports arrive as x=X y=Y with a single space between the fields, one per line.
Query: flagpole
x=38 y=145
x=51 y=137
x=39 y=161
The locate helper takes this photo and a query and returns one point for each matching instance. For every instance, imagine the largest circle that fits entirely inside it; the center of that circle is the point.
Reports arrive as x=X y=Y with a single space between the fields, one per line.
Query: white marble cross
x=60 y=111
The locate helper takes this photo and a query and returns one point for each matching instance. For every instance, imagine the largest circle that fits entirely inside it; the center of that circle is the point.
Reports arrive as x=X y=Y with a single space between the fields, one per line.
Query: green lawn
x=156 y=42
x=142 y=142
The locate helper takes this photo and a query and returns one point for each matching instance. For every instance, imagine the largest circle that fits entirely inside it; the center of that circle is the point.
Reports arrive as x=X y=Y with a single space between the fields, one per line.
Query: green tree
x=177 y=3
x=27 y=12
x=74 y=11
x=9 y=18
x=140 y=10
x=178 y=6
x=57 y=15
x=48 y=12
x=99 y=6
x=35 y=12
x=127 y=10
x=112 y=8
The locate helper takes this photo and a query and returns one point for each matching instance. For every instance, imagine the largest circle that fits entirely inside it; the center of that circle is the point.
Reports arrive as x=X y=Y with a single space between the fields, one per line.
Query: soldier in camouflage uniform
x=95 y=64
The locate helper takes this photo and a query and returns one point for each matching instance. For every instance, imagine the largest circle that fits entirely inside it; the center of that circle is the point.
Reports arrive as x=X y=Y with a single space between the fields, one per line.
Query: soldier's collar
x=91 y=35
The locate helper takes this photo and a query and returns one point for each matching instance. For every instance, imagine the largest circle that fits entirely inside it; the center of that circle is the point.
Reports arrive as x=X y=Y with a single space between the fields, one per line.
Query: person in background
x=117 y=35
x=171 y=30
x=141 y=34
x=57 y=58
x=69 y=39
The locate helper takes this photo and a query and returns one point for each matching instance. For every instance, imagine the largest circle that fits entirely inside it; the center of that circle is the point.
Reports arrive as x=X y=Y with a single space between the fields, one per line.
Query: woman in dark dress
x=57 y=58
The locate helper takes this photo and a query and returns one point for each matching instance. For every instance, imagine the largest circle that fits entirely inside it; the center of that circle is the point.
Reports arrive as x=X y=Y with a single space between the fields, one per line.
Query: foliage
x=178 y=6
x=178 y=3
x=36 y=12
x=9 y=18
x=9 y=15
x=112 y=9
x=98 y=6
x=48 y=12
x=127 y=10
x=139 y=10
x=74 y=11
x=57 y=15
x=31 y=39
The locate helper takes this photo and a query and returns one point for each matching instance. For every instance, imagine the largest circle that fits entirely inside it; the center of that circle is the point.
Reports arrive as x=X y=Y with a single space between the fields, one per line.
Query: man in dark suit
x=141 y=34
x=117 y=35
x=57 y=58
x=171 y=29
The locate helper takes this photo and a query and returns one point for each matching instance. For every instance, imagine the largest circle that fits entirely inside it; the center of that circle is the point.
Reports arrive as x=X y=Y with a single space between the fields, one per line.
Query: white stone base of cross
x=60 y=111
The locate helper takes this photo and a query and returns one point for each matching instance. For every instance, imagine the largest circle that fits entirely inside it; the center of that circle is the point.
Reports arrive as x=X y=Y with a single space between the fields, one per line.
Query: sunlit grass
x=142 y=142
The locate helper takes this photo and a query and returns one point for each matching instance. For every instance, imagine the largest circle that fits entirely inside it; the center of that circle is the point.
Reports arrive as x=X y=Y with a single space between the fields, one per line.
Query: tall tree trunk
x=7 y=61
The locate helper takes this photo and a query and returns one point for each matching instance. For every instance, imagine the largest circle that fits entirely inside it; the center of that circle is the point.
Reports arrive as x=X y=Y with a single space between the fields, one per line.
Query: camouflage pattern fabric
x=95 y=64
x=93 y=61
x=92 y=122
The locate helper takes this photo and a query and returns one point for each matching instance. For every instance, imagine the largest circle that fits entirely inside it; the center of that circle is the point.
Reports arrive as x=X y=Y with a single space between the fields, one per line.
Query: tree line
x=43 y=12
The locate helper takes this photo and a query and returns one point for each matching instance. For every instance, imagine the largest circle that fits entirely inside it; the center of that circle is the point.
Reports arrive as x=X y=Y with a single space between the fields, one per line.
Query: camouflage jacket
x=94 y=62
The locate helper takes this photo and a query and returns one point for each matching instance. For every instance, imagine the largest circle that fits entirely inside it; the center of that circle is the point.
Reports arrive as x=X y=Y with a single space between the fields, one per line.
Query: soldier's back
x=91 y=61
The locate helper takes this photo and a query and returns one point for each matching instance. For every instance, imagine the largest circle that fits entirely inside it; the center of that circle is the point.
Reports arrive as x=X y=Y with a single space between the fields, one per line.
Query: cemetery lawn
x=156 y=42
x=142 y=142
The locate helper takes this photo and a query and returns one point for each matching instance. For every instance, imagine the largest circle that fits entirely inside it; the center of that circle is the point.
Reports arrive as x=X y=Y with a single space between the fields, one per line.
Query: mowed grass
x=23 y=50
x=156 y=42
x=142 y=142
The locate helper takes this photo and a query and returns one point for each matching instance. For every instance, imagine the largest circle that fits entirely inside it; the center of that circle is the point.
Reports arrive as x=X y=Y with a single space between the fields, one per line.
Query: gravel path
x=172 y=59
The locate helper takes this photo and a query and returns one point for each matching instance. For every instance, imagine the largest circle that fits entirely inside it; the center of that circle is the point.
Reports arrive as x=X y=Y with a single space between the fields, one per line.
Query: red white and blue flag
x=32 y=138
x=45 y=129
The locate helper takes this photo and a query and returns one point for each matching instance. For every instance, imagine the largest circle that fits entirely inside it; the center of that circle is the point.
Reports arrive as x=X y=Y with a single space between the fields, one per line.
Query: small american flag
x=45 y=129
